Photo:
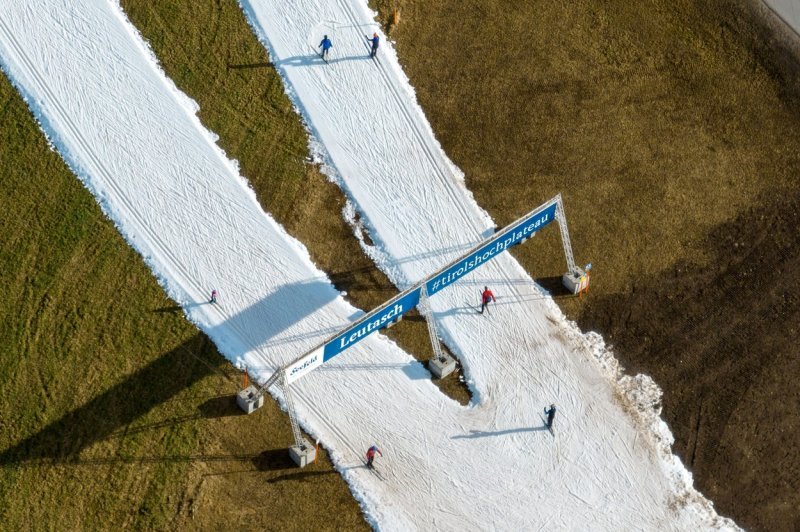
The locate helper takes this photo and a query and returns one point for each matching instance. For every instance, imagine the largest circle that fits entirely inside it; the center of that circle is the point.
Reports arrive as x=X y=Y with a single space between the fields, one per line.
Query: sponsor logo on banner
x=304 y=365
x=499 y=243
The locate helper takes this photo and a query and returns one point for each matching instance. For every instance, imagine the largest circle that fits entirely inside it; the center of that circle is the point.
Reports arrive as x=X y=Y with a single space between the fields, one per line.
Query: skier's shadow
x=456 y=311
x=316 y=60
x=263 y=64
x=178 y=308
x=486 y=434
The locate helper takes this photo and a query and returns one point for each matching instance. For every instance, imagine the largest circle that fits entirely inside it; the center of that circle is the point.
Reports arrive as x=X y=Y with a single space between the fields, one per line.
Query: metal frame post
x=298 y=436
x=424 y=308
x=562 y=225
x=575 y=278
x=441 y=364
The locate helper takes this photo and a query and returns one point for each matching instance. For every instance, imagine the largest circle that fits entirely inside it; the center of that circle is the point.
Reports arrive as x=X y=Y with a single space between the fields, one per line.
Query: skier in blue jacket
x=326 y=45
x=375 y=40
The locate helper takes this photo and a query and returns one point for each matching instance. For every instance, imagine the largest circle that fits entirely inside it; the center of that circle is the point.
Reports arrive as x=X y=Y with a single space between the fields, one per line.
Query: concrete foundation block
x=442 y=367
x=304 y=454
x=249 y=399
x=574 y=281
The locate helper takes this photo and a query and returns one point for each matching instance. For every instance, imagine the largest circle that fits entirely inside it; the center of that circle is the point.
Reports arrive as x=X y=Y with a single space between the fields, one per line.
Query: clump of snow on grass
x=641 y=399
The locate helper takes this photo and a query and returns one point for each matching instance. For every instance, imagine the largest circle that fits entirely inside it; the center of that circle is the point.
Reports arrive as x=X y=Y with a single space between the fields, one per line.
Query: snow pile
x=641 y=399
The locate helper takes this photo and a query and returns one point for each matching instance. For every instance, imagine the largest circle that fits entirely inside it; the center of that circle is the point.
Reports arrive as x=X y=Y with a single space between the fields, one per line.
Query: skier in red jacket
x=486 y=297
x=371 y=455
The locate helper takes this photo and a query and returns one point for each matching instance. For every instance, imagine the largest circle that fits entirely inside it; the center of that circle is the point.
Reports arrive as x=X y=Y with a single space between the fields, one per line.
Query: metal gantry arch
x=575 y=279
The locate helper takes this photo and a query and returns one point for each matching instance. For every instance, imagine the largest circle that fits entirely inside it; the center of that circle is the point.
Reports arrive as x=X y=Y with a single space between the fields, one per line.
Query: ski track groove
x=465 y=218
x=121 y=199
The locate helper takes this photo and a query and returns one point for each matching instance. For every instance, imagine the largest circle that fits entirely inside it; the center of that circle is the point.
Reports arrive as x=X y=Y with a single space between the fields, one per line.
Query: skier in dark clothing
x=486 y=297
x=371 y=455
x=375 y=40
x=326 y=45
x=551 y=415
x=214 y=295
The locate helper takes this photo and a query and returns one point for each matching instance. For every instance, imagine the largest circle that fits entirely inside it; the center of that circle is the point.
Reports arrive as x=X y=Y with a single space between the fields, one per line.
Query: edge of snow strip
x=640 y=395
x=640 y=398
x=226 y=346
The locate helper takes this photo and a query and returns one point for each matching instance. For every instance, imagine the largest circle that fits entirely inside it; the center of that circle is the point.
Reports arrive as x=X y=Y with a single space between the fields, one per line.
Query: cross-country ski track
x=135 y=142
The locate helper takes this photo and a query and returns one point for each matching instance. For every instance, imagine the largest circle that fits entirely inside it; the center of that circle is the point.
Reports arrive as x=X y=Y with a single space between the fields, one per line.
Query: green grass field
x=87 y=358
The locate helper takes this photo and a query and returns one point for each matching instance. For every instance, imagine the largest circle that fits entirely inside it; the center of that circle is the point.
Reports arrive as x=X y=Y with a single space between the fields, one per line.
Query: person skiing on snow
x=375 y=40
x=371 y=455
x=551 y=415
x=326 y=45
x=486 y=297
x=214 y=295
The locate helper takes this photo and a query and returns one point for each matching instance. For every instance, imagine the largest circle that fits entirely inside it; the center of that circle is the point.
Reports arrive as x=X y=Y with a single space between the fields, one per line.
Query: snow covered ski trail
x=133 y=139
x=377 y=144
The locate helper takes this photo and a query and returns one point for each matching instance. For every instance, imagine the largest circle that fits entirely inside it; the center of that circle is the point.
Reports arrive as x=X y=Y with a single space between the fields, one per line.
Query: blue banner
x=374 y=321
x=513 y=234
x=391 y=311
